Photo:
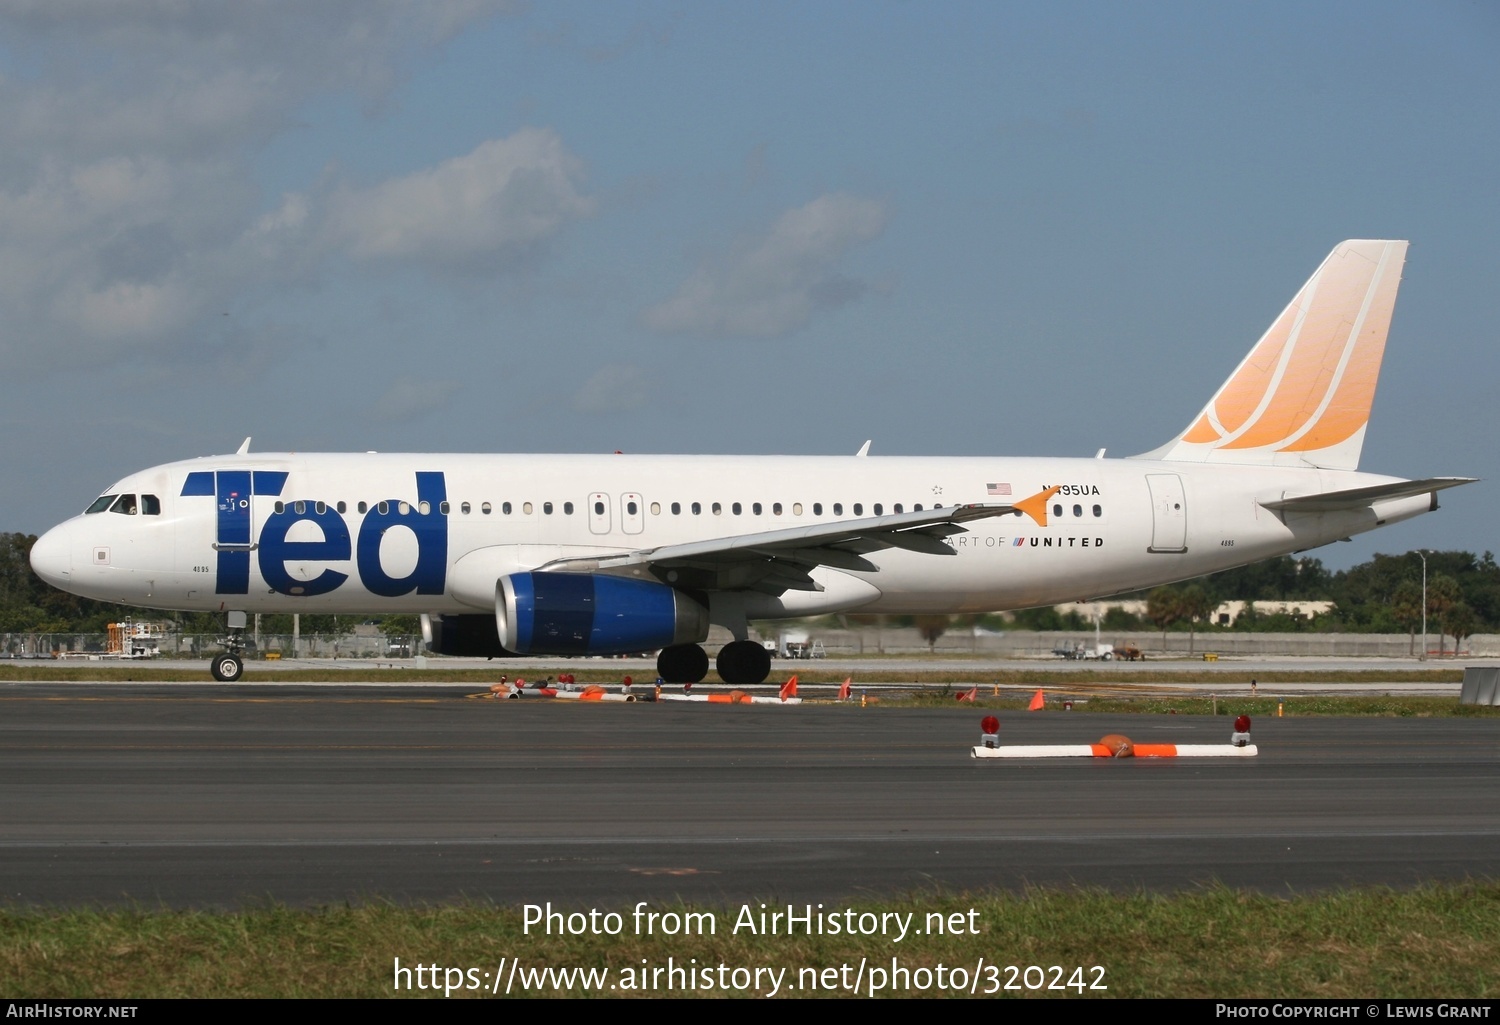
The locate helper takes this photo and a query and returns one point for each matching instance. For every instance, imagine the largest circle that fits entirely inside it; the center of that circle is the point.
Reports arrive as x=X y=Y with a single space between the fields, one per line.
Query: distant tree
x=1195 y=605
x=1118 y=619
x=1442 y=595
x=399 y=626
x=1406 y=609
x=931 y=628
x=1164 y=608
x=1458 y=623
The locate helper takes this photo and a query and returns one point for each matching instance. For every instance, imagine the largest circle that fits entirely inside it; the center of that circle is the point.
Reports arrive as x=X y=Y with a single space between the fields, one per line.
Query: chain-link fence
x=170 y=644
x=868 y=640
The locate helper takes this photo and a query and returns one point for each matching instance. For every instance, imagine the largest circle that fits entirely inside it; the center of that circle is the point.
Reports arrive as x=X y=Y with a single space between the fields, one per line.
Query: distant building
x=1229 y=611
x=1225 y=615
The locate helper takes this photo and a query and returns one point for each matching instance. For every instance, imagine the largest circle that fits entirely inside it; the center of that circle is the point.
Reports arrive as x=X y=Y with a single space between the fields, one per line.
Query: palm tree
x=1164 y=607
x=1196 y=604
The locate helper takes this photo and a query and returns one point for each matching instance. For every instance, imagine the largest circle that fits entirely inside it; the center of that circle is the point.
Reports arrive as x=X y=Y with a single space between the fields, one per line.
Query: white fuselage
x=309 y=533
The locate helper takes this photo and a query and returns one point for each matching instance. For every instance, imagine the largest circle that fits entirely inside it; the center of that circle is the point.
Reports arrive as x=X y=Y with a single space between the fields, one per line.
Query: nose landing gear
x=230 y=666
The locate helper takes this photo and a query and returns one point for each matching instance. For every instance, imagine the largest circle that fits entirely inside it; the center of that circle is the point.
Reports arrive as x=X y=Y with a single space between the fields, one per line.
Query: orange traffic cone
x=1038 y=701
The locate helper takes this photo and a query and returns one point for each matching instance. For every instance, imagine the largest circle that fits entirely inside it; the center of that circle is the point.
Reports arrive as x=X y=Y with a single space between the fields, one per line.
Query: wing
x=776 y=561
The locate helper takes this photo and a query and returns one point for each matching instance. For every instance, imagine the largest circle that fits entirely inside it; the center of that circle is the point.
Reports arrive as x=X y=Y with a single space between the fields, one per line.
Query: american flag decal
x=998 y=489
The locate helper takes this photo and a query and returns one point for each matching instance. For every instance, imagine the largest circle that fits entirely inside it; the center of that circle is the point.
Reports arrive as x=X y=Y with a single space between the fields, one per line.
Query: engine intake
x=591 y=614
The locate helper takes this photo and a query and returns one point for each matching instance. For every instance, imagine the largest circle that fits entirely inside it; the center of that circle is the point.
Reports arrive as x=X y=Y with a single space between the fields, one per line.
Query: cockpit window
x=150 y=505
x=100 y=504
x=124 y=504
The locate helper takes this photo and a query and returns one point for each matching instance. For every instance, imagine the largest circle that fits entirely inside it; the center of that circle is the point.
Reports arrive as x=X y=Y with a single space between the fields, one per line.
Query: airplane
x=507 y=555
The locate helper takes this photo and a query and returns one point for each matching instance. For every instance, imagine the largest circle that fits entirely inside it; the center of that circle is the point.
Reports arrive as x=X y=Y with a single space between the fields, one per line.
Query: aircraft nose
x=52 y=556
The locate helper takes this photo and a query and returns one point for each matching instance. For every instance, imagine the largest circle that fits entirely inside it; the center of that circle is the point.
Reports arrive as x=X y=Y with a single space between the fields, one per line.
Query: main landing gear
x=682 y=663
x=744 y=662
x=739 y=663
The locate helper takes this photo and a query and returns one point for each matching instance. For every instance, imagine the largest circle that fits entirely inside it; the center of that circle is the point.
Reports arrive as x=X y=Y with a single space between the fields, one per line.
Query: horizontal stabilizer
x=1360 y=498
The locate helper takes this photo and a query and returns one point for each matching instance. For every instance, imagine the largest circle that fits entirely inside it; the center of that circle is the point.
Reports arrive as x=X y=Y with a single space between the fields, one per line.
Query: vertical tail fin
x=1302 y=397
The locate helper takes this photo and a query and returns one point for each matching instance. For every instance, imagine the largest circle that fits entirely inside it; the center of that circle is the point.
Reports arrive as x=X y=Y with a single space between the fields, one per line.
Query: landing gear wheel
x=743 y=662
x=682 y=663
x=227 y=668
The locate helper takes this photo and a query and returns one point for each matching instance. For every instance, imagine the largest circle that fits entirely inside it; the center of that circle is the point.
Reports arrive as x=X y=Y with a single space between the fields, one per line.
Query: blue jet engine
x=591 y=614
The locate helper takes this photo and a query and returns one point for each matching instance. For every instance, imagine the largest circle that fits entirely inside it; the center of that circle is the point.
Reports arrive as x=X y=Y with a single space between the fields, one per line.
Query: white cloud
x=506 y=196
x=129 y=207
x=772 y=284
x=616 y=388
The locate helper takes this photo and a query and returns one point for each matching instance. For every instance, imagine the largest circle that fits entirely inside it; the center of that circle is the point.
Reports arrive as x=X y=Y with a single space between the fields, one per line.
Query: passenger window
x=384 y=508
x=755 y=508
x=504 y=508
x=320 y=508
x=676 y=508
x=1057 y=510
x=796 y=508
x=547 y=508
x=718 y=509
x=630 y=507
x=525 y=507
x=343 y=507
x=1098 y=512
x=598 y=508
x=896 y=507
x=817 y=508
x=838 y=508
x=280 y=508
x=464 y=508
x=877 y=508
x=150 y=505
x=776 y=509
x=655 y=508
x=485 y=508
x=736 y=508
x=299 y=507
x=915 y=508
x=100 y=504
x=567 y=508
x=859 y=508
x=697 y=509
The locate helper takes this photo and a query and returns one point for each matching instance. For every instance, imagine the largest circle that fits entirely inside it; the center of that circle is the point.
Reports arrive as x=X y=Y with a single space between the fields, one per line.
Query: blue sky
x=1020 y=229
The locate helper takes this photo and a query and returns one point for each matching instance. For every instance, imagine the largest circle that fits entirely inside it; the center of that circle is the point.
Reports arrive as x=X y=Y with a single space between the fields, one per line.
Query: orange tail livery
x=1302 y=397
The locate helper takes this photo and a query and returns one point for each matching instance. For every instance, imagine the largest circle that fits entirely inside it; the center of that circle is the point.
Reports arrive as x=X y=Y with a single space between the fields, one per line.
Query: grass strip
x=1435 y=941
x=1377 y=705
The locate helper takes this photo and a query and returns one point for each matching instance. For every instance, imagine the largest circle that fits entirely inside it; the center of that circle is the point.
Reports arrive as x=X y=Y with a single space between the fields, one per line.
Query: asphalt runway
x=219 y=796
